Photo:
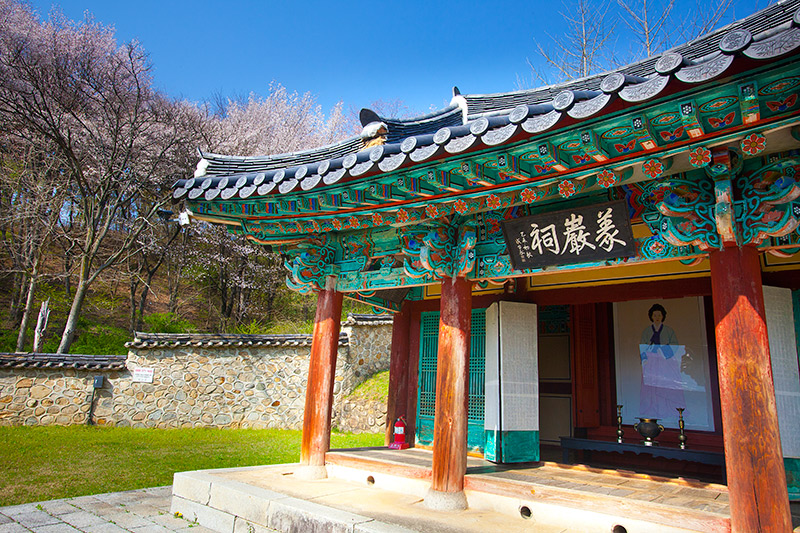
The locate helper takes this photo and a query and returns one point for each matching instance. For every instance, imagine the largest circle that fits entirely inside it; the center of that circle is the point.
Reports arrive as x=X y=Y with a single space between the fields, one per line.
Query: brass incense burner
x=649 y=428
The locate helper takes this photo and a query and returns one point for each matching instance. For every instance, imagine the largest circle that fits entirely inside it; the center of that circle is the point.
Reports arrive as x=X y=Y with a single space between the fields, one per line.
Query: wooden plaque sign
x=577 y=235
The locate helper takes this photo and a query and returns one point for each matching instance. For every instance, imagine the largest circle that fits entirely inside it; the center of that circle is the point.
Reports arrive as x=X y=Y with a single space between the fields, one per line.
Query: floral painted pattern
x=432 y=211
x=492 y=201
x=402 y=215
x=653 y=168
x=607 y=179
x=460 y=207
x=700 y=157
x=528 y=195
x=377 y=219
x=353 y=222
x=754 y=144
x=566 y=189
x=337 y=224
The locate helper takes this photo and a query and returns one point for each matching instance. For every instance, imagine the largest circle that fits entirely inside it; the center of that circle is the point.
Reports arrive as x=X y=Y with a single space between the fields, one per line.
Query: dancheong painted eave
x=512 y=142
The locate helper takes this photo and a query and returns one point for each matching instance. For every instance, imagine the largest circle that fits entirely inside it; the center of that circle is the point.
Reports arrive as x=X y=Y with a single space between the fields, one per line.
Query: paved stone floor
x=135 y=511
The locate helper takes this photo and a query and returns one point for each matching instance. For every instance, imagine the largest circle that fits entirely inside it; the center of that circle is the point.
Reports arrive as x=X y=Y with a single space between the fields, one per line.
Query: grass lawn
x=375 y=388
x=45 y=463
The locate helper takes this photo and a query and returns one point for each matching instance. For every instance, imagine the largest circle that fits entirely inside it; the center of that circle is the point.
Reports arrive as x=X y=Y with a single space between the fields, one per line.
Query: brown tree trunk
x=15 y=294
x=270 y=306
x=28 y=310
x=143 y=299
x=67 y=277
x=132 y=322
x=68 y=336
x=41 y=326
x=19 y=295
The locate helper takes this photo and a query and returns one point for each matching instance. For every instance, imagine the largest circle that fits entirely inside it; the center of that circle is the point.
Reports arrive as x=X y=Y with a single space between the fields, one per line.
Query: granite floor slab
x=135 y=511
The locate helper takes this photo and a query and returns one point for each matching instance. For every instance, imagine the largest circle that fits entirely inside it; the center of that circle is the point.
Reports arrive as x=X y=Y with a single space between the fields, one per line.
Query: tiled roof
x=222 y=165
x=355 y=319
x=402 y=129
x=49 y=360
x=494 y=119
x=209 y=340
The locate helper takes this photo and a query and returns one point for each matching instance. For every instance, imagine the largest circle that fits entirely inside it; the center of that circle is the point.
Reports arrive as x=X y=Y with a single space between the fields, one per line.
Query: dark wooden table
x=695 y=456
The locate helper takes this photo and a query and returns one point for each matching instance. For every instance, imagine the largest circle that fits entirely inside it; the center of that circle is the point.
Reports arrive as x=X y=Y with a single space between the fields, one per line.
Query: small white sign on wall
x=143 y=375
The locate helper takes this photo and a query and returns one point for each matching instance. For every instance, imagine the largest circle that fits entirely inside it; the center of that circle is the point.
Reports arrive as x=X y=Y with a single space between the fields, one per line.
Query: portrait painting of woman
x=661 y=355
x=662 y=362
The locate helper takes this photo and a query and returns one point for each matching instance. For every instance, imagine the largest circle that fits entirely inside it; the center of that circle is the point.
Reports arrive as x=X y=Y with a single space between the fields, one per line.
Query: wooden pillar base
x=319 y=391
x=452 y=381
x=757 y=490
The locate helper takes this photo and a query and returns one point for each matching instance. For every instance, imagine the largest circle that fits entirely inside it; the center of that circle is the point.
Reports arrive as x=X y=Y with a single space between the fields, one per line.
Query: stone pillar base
x=311 y=472
x=437 y=500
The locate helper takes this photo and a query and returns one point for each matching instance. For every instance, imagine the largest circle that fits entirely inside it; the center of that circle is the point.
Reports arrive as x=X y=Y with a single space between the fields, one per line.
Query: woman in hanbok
x=662 y=383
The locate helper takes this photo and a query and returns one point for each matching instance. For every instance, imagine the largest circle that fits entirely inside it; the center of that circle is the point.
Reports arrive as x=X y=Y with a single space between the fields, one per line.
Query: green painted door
x=426 y=390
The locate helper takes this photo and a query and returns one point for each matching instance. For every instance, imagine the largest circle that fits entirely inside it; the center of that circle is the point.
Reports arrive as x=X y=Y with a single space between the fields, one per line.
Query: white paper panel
x=785 y=374
x=491 y=420
x=519 y=367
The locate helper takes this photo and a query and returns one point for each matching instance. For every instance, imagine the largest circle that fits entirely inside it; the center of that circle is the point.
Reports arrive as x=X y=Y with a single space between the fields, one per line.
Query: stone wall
x=359 y=416
x=44 y=396
x=256 y=381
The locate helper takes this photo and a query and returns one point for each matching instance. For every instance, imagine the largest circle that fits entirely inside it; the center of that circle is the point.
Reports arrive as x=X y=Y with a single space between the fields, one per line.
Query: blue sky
x=356 y=52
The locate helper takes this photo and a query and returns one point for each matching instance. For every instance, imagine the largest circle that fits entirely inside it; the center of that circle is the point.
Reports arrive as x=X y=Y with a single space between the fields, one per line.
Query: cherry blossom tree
x=280 y=122
x=72 y=84
x=244 y=278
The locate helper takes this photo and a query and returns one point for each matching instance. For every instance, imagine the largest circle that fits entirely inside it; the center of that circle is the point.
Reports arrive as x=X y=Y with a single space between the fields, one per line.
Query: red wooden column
x=396 y=405
x=756 y=479
x=450 y=423
x=319 y=391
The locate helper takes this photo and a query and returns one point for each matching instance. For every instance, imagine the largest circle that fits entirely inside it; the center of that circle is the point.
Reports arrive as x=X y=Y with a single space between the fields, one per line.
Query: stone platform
x=379 y=490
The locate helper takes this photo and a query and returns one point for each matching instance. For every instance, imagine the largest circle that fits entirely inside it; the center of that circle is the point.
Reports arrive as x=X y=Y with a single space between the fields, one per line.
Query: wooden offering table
x=695 y=456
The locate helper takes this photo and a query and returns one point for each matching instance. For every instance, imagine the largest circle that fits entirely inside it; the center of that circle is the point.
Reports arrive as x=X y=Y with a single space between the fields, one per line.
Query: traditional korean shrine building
x=629 y=239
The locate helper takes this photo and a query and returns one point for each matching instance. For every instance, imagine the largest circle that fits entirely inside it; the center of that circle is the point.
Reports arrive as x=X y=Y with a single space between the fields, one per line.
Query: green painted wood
x=511 y=446
x=477 y=379
x=492 y=451
x=426 y=390
x=792 y=466
x=520 y=446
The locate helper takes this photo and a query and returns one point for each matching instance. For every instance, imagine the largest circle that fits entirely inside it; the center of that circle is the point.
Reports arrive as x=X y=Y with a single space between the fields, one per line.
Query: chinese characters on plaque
x=578 y=235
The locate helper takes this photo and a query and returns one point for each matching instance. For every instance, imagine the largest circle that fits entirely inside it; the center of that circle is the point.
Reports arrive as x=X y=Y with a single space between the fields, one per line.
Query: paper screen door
x=512 y=383
x=786 y=377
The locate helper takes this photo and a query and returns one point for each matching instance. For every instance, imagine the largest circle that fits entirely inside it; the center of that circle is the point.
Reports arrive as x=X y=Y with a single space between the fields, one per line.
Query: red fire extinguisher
x=399 y=435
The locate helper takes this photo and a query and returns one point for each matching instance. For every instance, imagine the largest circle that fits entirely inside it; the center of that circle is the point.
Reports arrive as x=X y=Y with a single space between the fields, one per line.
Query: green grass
x=168 y=323
x=44 y=463
x=375 y=388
